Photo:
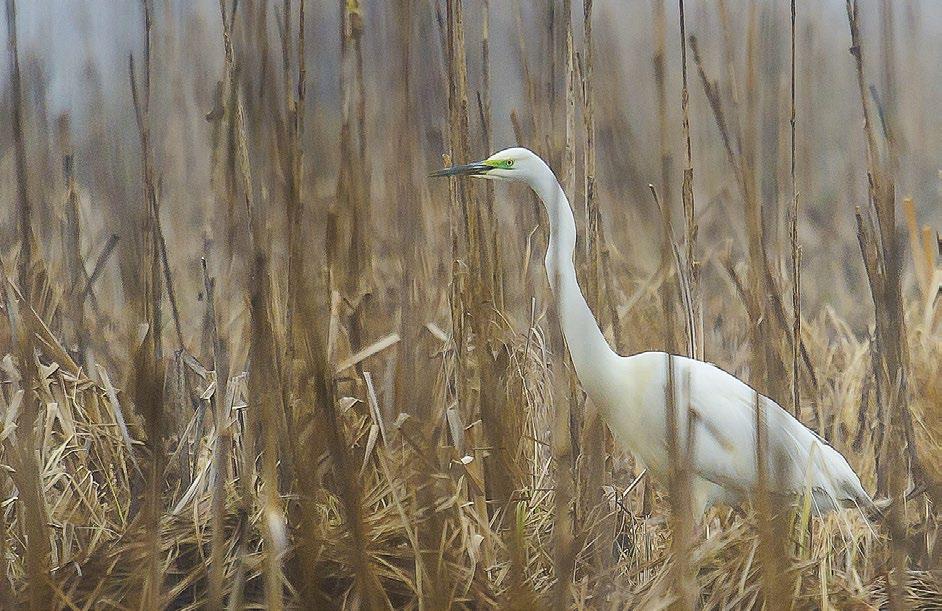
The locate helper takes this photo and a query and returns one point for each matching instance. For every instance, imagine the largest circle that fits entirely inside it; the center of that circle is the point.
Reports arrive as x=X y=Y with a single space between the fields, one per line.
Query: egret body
x=630 y=391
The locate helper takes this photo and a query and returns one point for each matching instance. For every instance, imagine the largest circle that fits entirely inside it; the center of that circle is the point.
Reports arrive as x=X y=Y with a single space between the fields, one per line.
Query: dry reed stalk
x=149 y=369
x=349 y=218
x=483 y=97
x=23 y=453
x=267 y=409
x=409 y=230
x=567 y=416
x=688 y=272
x=296 y=102
x=289 y=163
x=659 y=62
x=568 y=157
x=773 y=544
x=594 y=432
x=411 y=391
x=692 y=267
x=239 y=152
x=668 y=292
x=679 y=452
x=793 y=233
x=484 y=110
x=24 y=204
x=669 y=252
x=71 y=237
x=503 y=423
x=528 y=81
x=923 y=259
x=528 y=216
x=221 y=449
x=308 y=448
x=266 y=402
x=765 y=367
x=879 y=247
x=890 y=96
x=141 y=103
x=353 y=277
x=476 y=295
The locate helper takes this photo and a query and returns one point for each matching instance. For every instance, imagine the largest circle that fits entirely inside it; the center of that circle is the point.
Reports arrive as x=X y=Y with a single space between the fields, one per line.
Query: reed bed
x=250 y=357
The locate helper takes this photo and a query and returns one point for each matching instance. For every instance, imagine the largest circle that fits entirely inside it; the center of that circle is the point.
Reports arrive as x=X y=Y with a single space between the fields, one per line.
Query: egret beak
x=470 y=169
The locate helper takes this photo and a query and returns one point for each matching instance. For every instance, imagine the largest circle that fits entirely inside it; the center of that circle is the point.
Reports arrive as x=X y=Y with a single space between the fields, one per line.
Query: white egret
x=630 y=391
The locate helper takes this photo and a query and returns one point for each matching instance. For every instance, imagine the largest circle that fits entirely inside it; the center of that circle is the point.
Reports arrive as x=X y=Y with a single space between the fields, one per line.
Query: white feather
x=723 y=459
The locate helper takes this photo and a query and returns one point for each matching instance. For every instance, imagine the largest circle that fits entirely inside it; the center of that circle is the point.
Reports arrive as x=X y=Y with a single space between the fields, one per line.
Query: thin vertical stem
x=694 y=333
x=25 y=261
x=221 y=449
x=795 y=248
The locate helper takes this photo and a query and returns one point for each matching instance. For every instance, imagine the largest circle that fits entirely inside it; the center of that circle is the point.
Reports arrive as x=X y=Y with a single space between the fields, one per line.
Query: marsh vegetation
x=253 y=356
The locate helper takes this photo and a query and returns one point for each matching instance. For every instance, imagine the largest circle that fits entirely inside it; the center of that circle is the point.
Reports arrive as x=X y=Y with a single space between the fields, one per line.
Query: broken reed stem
x=97 y=269
x=695 y=333
x=72 y=247
x=855 y=51
x=25 y=213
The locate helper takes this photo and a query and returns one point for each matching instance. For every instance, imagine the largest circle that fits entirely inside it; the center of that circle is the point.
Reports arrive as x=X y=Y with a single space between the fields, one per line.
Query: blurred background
x=74 y=60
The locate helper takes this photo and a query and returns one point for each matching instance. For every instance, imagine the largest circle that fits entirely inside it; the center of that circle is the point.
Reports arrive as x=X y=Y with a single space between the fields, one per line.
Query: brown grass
x=250 y=357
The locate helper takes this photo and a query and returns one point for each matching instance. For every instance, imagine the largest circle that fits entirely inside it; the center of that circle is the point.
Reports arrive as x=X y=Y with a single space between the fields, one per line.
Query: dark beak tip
x=471 y=169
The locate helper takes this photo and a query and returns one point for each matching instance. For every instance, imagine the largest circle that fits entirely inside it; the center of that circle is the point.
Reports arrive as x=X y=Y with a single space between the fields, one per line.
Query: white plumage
x=723 y=457
x=631 y=392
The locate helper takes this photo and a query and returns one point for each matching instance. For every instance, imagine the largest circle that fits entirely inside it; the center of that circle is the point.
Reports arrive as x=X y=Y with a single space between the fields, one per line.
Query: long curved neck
x=590 y=351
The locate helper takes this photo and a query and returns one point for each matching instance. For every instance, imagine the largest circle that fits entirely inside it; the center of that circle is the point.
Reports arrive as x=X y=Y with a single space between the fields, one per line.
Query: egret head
x=515 y=164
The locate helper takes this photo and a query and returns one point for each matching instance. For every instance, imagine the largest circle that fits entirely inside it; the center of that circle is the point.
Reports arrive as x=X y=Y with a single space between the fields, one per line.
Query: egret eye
x=509 y=163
